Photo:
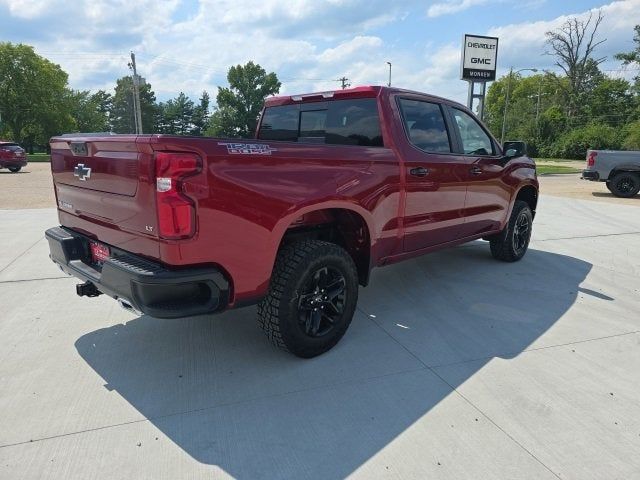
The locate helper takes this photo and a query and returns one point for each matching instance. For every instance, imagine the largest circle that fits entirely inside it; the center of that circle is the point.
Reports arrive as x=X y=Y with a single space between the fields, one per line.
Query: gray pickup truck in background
x=619 y=169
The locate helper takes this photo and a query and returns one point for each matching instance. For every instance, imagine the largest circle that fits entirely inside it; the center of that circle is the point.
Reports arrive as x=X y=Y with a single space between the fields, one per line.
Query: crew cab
x=333 y=185
x=12 y=156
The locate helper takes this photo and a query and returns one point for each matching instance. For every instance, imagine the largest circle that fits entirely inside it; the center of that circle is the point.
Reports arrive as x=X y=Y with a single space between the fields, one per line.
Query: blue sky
x=189 y=45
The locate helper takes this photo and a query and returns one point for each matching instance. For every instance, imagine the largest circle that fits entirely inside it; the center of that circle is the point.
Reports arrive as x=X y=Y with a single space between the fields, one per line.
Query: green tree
x=529 y=99
x=122 y=112
x=33 y=96
x=632 y=57
x=89 y=111
x=239 y=105
x=610 y=102
x=573 y=45
x=176 y=115
x=201 y=115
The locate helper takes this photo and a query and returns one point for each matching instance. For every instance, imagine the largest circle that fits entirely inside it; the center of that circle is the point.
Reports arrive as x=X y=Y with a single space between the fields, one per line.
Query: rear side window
x=475 y=140
x=280 y=123
x=425 y=125
x=338 y=122
x=354 y=122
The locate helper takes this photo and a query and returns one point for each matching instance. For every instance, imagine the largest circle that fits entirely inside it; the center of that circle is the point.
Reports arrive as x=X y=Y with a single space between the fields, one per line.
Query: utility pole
x=389 y=84
x=344 y=82
x=137 y=111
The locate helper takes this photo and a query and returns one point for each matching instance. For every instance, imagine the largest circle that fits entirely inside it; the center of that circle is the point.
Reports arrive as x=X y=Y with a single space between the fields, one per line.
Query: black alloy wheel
x=625 y=184
x=521 y=232
x=322 y=307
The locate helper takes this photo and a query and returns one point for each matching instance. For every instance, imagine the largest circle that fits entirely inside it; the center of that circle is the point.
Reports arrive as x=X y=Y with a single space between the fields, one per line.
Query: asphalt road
x=455 y=367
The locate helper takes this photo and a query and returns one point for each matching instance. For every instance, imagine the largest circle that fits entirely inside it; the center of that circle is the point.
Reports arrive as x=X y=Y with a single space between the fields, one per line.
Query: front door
x=488 y=196
x=435 y=178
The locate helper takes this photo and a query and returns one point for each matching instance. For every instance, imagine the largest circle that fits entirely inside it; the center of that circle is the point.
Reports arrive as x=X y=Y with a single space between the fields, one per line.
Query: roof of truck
x=365 y=91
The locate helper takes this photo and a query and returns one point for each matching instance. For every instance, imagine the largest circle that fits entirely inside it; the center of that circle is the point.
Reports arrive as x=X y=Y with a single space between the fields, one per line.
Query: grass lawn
x=38 y=157
x=547 y=169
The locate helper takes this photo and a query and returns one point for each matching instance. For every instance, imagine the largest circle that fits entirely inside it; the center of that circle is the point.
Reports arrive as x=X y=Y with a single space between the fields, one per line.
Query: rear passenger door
x=487 y=198
x=435 y=182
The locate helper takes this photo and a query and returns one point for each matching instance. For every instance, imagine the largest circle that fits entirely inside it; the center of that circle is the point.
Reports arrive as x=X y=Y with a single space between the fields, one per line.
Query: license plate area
x=99 y=252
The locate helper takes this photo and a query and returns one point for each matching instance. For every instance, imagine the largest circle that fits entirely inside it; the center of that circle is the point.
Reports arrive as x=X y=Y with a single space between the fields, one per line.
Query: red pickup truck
x=333 y=185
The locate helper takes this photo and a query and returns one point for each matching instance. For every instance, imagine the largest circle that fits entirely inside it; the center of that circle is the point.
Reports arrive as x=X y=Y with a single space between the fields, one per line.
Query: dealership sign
x=479 y=56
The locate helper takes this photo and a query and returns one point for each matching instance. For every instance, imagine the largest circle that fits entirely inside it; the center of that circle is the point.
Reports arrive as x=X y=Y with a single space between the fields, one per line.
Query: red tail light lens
x=176 y=211
x=591 y=158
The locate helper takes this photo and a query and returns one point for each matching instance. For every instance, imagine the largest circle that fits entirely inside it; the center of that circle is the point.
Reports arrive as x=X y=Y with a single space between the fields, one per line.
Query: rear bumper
x=13 y=162
x=590 y=175
x=147 y=286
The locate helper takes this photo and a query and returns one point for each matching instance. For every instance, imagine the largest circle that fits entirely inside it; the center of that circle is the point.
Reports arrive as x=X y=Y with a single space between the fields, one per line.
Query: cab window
x=475 y=140
x=337 y=122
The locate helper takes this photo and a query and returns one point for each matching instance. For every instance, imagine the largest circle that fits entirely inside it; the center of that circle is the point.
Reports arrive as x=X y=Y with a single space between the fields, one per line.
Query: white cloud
x=308 y=43
x=452 y=6
x=522 y=45
x=357 y=46
x=28 y=8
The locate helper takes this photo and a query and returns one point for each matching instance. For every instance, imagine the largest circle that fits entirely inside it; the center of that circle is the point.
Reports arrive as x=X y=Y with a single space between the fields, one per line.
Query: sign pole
x=480 y=96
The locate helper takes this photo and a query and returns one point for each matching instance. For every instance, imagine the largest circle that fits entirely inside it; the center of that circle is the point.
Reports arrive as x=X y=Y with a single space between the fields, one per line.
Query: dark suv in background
x=12 y=156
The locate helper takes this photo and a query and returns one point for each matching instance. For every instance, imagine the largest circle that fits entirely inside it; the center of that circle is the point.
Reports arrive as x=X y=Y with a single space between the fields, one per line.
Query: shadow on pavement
x=219 y=391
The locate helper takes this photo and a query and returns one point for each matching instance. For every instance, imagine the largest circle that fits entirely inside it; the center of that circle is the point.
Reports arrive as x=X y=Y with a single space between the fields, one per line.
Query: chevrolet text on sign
x=479 y=56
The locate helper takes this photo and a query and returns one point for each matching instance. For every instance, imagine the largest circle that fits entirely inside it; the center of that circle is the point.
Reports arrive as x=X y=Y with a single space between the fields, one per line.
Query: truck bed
x=242 y=200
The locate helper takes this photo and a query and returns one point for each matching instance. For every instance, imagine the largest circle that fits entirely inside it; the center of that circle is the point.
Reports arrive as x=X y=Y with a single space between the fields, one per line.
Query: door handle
x=419 y=172
x=475 y=171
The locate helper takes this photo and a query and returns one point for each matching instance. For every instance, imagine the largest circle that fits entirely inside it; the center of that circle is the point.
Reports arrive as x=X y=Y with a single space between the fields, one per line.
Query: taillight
x=176 y=211
x=591 y=158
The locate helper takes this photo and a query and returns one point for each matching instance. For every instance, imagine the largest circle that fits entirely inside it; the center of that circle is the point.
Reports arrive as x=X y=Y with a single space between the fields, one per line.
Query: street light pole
x=538 y=105
x=506 y=105
x=506 y=99
x=389 y=84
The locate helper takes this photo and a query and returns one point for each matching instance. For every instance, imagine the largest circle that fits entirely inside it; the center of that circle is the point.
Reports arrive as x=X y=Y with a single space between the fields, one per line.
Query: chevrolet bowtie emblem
x=82 y=172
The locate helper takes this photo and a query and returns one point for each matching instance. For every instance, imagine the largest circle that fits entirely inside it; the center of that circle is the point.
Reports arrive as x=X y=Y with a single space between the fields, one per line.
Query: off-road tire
x=14 y=169
x=505 y=246
x=624 y=184
x=279 y=312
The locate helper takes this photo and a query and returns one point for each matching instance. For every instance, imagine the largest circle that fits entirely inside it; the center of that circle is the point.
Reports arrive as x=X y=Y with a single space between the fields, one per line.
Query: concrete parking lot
x=456 y=367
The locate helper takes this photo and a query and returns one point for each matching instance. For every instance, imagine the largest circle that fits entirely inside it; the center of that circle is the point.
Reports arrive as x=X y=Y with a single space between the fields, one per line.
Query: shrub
x=632 y=136
x=575 y=143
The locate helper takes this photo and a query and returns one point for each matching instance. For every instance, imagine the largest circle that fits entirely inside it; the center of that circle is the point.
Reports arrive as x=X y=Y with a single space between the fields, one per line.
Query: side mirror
x=514 y=149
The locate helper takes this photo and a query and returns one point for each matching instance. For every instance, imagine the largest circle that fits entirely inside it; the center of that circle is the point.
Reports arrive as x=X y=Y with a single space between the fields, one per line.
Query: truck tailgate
x=105 y=187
